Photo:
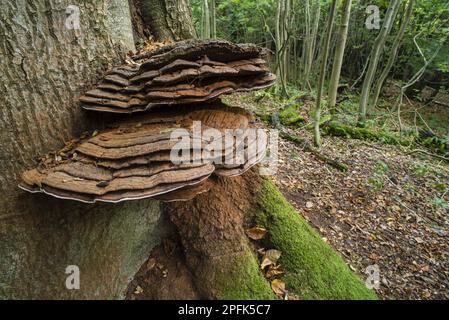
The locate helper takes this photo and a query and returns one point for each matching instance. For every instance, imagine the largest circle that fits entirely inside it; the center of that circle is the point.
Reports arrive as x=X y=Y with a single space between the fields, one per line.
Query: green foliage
x=290 y=116
x=420 y=169
x=439 y=203
x=377 y=180
x=240 y=20
x=437 y=144
x=313 y=270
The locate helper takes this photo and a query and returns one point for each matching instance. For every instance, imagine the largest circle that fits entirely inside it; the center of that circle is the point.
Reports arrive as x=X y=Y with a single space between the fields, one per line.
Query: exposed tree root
x=217 y=261
x=215 y=246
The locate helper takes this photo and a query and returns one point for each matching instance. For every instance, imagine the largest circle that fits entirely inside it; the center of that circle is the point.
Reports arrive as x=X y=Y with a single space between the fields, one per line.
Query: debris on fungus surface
x=171 y=153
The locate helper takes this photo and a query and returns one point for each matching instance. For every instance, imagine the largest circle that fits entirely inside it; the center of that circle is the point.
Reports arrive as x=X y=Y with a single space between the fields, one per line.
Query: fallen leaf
x=270 y=258
x=256 y=233
x=273 y=271
x=291 y=296
x=278 y=287
x=138 y=290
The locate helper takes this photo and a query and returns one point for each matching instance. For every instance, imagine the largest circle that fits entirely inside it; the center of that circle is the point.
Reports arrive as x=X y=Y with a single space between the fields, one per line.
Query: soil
x=164 y=276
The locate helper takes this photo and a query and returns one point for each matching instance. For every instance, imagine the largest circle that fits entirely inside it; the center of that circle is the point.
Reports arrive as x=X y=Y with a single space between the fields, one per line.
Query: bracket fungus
x=187 y=72
x=172 y=153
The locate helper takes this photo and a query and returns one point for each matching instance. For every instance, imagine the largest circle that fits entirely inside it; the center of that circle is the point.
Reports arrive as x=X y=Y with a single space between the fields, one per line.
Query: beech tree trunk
x=375 y=55
x=46 y=63
x=393 y=53
x=311 y=26
x=322 y=75
x=339 y=53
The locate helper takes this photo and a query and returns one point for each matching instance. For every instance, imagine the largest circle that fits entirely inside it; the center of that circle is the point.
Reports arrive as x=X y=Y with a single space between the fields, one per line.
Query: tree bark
x=213 y=19
x=374 y=60
x=394 y=52
x=322 y=75
x=167 y=19
x=45 y=67
x=339 y=53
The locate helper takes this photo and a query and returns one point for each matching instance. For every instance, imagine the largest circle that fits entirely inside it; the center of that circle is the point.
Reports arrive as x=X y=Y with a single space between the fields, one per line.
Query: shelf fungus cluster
x=172 y=153
x=188 y=72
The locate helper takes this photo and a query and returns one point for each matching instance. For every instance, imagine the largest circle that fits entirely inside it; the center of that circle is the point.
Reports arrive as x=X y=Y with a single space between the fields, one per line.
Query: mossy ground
x=290 y=116
x=342 y=130
x=313 y=270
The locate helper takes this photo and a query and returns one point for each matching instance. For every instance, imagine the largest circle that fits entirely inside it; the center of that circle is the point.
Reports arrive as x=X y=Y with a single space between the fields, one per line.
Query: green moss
x=289 y=115
x=313 y=269
x=243 y=280
x=343 y=130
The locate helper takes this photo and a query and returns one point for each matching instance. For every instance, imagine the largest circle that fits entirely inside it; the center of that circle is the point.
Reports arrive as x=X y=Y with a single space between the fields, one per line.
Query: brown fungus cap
x=133 y=159
x=185 y=72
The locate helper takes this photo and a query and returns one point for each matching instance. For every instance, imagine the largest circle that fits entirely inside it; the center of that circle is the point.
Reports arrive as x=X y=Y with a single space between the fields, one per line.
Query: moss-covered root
x=239 y=278
x=343 y=130
x=313 y=270
x=216 y=248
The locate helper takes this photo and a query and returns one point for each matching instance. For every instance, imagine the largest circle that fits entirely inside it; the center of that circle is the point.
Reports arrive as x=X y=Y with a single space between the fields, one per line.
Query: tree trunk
x=322 y=75
x=206 y=20
x=394 y=52
x=339 y=53
x=213 y=19
x=167 y=19
x=46 y=65
x=376 y=52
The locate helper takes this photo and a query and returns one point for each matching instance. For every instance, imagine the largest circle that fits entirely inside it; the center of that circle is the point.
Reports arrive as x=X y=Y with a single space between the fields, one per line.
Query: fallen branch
x=303 y=143
x=429 y=154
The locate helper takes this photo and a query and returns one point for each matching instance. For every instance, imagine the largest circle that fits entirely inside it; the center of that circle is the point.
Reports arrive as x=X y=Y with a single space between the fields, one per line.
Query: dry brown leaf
x=273 y=271
x=292 y=296
x=138 y=290
x=256 y=233
x=270 y=258
x=278 y=287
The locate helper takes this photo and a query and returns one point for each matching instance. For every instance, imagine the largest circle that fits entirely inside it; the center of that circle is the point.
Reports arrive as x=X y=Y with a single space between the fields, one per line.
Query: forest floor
x=388 y=210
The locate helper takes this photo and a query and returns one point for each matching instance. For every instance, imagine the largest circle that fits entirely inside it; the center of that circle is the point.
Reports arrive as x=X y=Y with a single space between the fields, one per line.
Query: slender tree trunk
x=339 y=53
x=47 y=60
x=213 y=19
x=312 y=19
x=394 y=52
x=206 y=20
x=322 y=75
x=375 y=56
x=279 y=40
x=315 y=27
x=306 y=47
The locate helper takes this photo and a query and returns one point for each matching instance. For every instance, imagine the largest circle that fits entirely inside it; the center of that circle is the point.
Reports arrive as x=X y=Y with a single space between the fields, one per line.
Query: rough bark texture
x=167 y=19
x=45 y=66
